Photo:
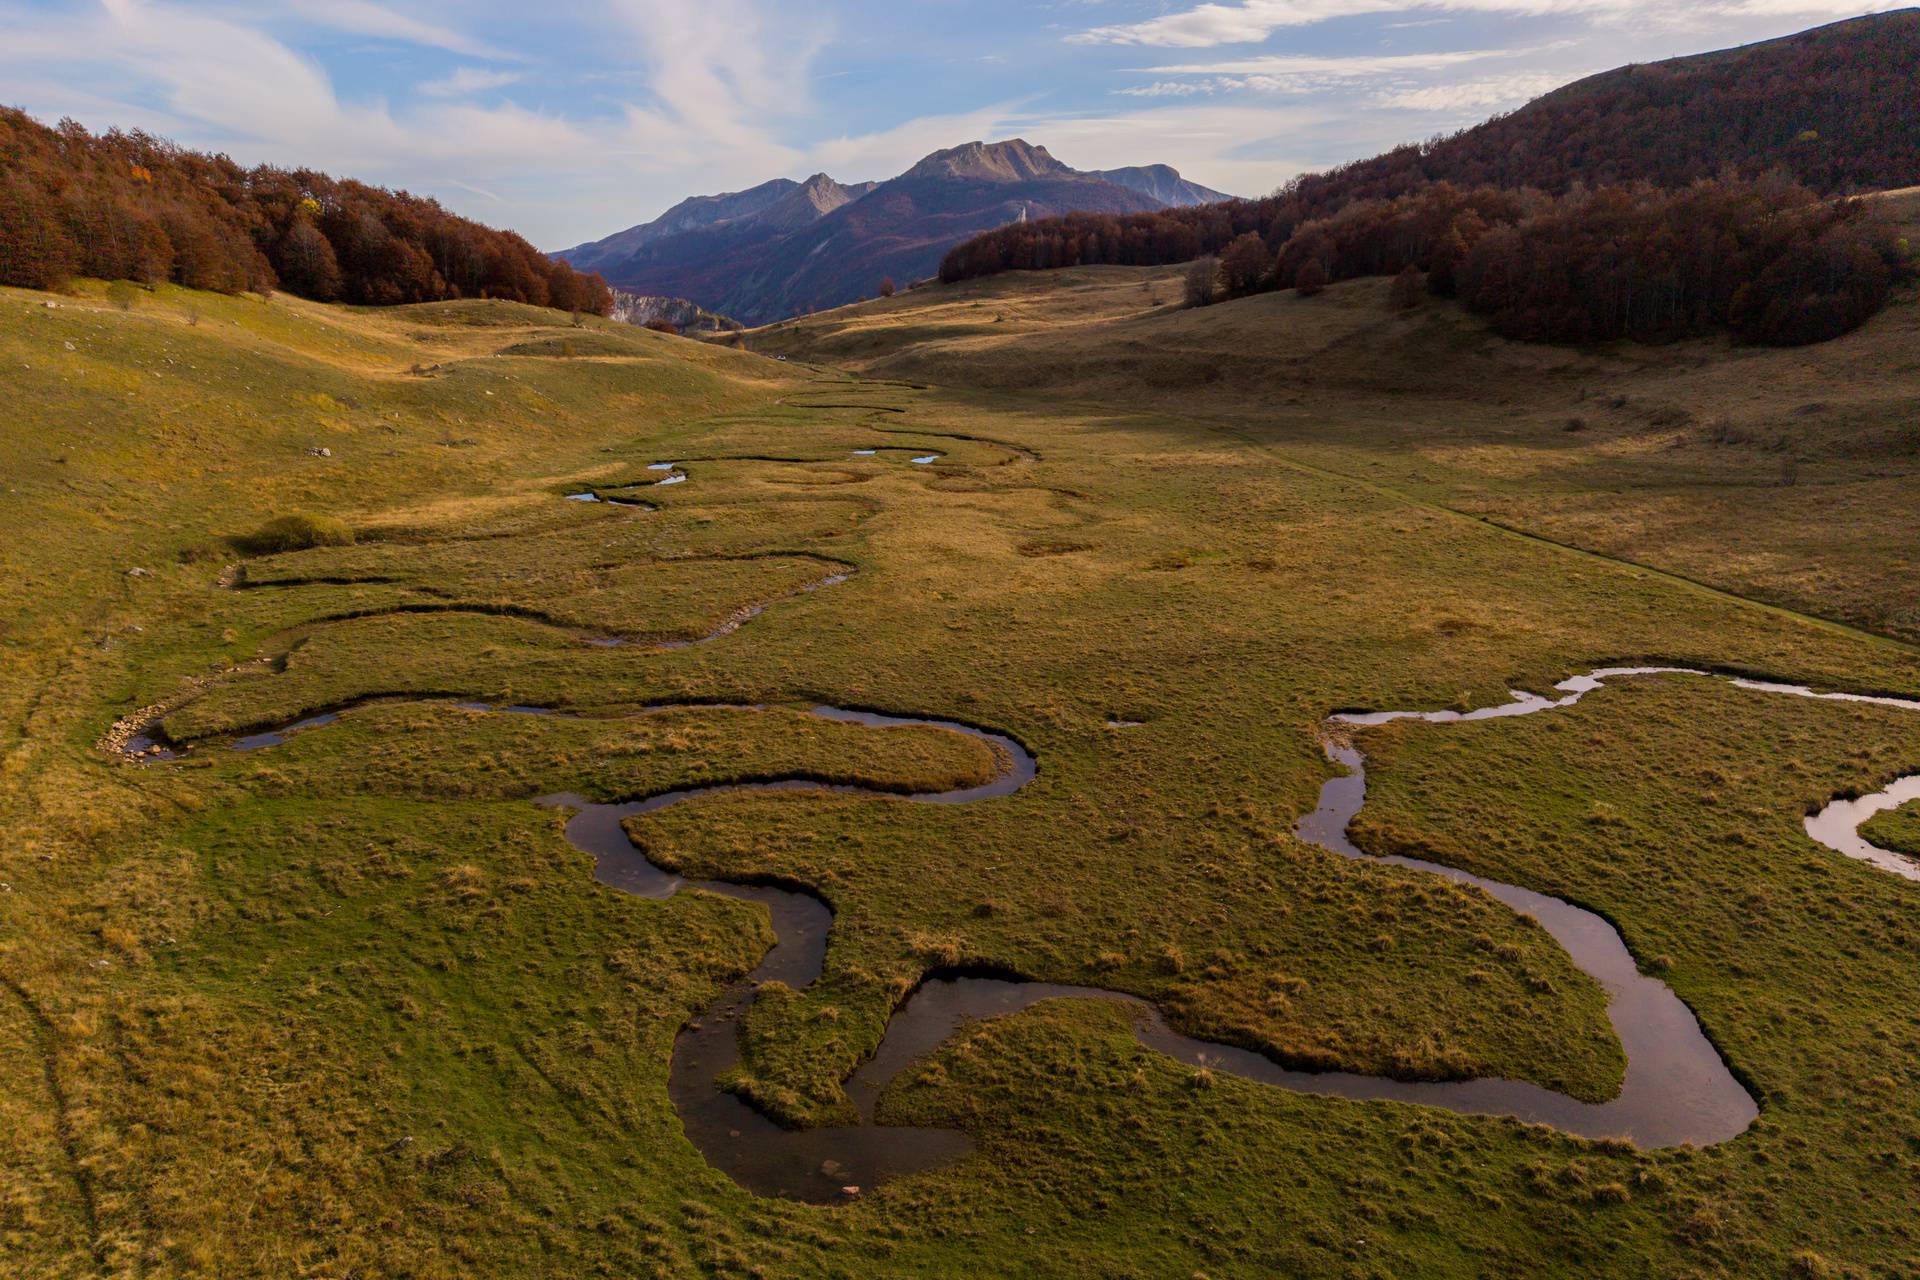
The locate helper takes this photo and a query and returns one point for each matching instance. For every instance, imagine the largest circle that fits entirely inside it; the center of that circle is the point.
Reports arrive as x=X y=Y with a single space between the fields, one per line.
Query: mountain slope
x=692 y=214
x=1833 y=107
x=1163 y=183
x=820 y=244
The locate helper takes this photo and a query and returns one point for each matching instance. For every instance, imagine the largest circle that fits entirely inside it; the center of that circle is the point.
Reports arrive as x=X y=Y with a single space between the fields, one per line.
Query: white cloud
x=1172 y=89
x=1288 y=64
x=466 y=81
x=1301 y=74
x=362 y=17
x=1251 y=21
x=720 y=72
x=1474 y=95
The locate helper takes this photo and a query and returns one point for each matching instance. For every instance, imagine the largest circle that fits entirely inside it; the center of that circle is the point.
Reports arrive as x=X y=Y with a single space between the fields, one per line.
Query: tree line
x=130 y=206
x=1766 y=259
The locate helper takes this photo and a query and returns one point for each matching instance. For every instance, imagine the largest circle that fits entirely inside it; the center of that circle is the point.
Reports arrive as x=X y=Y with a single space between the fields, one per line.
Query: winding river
x=1676 y=1089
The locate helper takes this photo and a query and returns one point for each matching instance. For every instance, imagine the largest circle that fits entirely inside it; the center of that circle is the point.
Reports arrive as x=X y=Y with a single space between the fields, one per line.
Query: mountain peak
x=1014 y=160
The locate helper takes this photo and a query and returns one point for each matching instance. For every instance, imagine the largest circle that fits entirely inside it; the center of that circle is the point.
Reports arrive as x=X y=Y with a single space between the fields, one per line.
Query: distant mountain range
x=787 y=247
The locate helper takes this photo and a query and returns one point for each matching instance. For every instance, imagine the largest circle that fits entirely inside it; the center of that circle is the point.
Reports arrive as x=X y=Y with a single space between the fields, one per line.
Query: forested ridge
x=1656 y=201
x=129 y=206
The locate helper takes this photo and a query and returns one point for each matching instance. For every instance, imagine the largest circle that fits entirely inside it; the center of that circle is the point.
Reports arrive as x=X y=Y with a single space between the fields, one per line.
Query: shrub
x=1311 y=279
x=660 y=324
x=295 y=533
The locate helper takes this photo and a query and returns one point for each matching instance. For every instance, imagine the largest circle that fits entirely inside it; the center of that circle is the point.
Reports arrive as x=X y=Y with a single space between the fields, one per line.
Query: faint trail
x=47 y=1038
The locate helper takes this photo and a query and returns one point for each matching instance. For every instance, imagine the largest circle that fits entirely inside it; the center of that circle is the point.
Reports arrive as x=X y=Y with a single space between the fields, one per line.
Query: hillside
x=1830 y=109
x=784 y=248
x=129 y=206
x=1755 y=470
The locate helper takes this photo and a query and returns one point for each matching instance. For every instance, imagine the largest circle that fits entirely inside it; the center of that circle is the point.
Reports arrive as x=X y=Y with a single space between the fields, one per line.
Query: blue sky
x=570 y=119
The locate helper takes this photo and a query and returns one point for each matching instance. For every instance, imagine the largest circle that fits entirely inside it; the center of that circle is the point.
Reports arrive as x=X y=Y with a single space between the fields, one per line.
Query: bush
x=660 y=324
x=295 y=533
x=1311 y=279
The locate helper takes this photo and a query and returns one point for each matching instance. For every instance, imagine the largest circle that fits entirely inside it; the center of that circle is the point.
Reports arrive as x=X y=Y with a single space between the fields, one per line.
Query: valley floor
x=351 y=1004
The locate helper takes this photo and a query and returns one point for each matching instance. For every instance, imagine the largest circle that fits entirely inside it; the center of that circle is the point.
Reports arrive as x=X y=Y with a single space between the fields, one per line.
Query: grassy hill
x=351 y=1005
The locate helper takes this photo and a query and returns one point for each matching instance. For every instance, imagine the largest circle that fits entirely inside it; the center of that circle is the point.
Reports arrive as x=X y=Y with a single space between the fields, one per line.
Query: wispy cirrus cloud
x=1472 y=95
x=1252 y=21
x=363 y=17
x=1394 y=78
x=1353 y=66
x=469 y=80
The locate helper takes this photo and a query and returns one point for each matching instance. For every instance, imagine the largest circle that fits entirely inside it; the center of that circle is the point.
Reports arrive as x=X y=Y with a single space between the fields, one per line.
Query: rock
x=850 y=1193
x=138 y=572
x=321 y=451
x=831 y=1168
x=71 y=347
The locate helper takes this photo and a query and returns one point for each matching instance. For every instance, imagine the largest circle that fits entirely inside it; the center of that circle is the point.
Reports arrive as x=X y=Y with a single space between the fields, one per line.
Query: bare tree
x=1202 y=282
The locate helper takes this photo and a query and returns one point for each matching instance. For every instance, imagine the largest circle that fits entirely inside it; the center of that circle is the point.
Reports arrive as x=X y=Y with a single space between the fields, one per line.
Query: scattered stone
x=320 y=451
x=71 y=347
x=138 y=572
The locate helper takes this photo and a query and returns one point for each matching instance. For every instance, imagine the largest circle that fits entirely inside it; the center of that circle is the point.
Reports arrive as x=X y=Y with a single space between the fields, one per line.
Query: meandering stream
x=1677 y=1089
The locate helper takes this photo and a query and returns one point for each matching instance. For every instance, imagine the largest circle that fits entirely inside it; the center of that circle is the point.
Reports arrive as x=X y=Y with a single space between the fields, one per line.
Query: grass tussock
x=296 y=532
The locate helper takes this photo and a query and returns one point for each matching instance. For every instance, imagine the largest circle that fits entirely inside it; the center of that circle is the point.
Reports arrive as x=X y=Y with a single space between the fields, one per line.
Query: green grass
x=352 y=1006
x=1674 y=808
x=1897 y=829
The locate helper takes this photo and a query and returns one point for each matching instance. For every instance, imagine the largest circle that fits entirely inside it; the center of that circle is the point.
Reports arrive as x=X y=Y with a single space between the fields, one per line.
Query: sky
x=571 y=119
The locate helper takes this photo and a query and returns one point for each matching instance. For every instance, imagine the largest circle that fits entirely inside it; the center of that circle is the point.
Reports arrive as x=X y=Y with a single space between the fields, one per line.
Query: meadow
x=350 y=1005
